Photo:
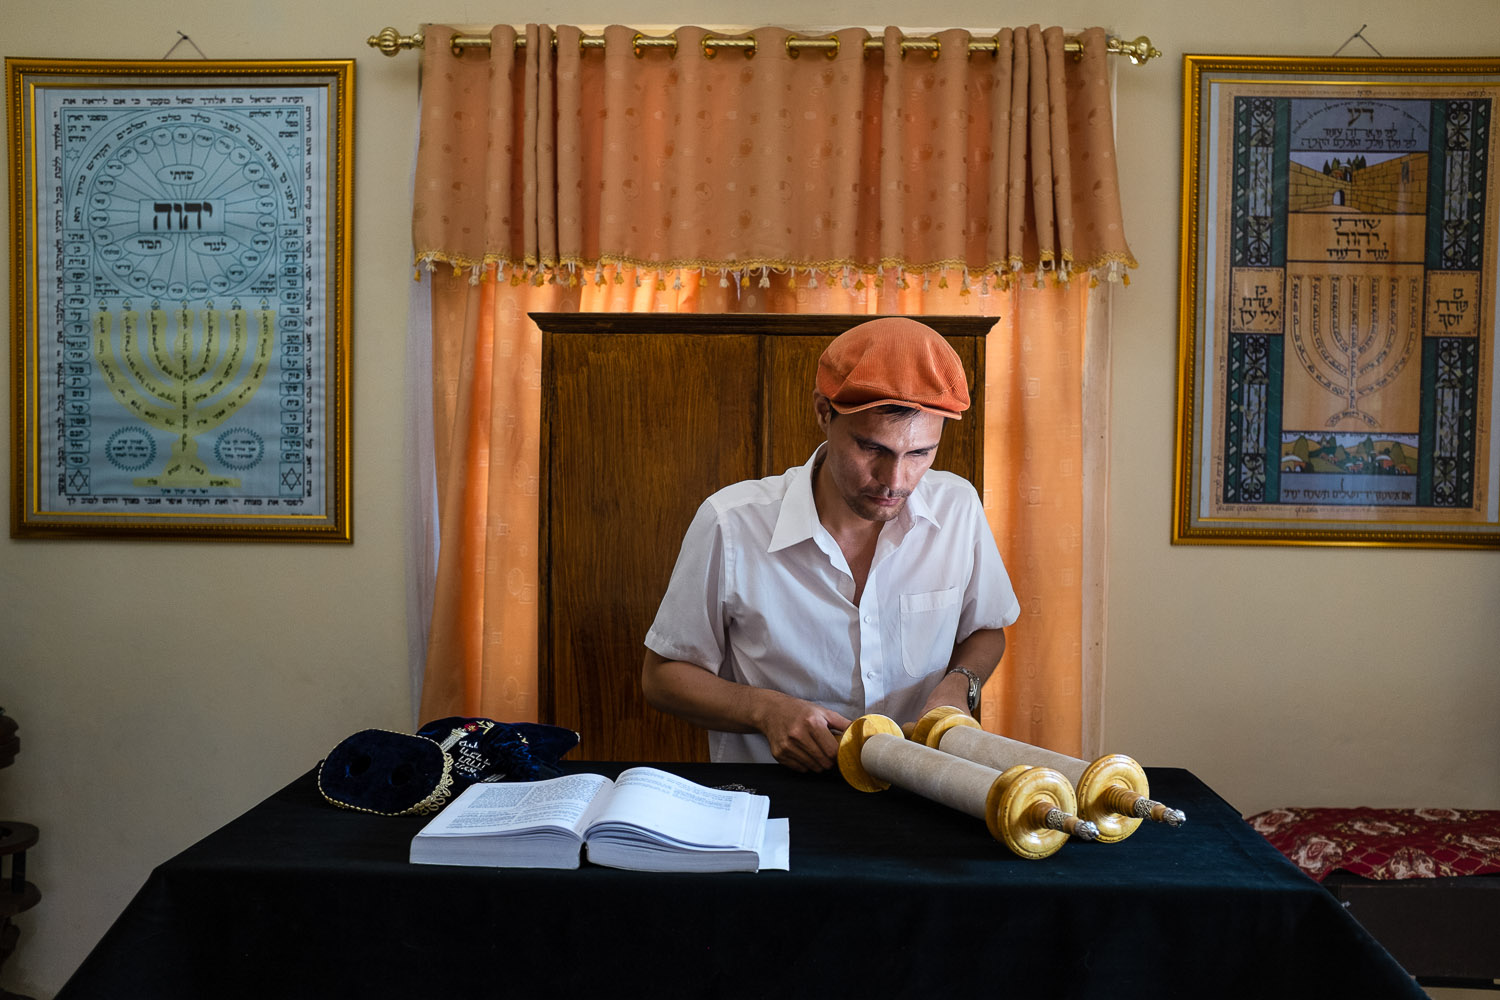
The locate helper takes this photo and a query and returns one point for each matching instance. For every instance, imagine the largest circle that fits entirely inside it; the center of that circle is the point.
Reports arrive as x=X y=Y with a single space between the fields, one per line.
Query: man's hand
x=952 y=690
x=980 y=653
x=803 y=736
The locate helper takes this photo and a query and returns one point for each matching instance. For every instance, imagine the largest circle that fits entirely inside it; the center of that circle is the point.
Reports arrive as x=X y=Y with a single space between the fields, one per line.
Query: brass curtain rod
x=392 y=42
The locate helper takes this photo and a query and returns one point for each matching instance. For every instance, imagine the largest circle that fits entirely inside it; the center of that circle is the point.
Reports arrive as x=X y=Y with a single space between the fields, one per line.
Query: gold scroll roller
x=1112 y=792
x=1032 y=810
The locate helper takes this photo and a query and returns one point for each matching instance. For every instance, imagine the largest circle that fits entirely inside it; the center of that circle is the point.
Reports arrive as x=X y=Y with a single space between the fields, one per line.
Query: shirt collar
x=798 y=519
x=919 y=506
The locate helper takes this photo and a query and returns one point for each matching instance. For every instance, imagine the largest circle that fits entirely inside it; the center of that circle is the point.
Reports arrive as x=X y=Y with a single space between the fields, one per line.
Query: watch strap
x=974 y=686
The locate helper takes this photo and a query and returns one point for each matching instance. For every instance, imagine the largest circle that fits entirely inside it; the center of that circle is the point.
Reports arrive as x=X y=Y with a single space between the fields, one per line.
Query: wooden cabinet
x=643 y=416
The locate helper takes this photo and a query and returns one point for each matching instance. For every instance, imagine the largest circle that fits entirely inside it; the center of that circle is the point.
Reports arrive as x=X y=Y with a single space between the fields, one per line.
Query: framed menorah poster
x=1337 y=362
x=180 y=298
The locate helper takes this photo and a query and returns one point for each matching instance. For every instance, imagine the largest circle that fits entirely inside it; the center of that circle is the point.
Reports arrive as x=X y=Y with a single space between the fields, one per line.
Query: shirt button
x=870 y=676
x=869 y=619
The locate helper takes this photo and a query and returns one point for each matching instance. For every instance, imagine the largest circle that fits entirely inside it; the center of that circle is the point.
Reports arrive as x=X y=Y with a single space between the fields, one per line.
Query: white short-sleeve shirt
x=762 y=595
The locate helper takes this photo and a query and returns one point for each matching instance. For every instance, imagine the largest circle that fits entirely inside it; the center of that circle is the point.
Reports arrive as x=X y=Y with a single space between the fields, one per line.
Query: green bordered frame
x=1337 y=344
x=180 y=298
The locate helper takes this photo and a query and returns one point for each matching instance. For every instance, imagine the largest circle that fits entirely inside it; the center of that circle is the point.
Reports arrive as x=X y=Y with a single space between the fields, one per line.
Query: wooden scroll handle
x=1116 y=788
x=1032 y=810
x=1112 y=792
x=1123 y=800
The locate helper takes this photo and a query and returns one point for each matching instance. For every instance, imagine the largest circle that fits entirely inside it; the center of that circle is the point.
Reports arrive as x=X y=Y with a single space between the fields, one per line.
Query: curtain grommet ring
x=828 y=44
x=711 y=45
x=932 y=46
x=636 y=46
x=795 y=45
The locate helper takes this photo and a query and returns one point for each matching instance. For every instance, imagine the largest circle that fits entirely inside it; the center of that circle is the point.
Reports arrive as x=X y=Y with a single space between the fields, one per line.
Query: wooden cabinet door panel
x=641 y=429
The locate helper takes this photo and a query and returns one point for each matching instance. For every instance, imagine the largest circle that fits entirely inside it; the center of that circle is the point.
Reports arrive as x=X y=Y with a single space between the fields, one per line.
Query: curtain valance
x=700 y=162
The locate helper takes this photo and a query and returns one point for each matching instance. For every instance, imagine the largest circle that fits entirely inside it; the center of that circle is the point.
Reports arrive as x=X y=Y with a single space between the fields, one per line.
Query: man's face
x=874 y=460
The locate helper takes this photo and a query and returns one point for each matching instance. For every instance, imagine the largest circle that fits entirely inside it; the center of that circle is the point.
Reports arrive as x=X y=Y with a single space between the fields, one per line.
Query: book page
x=500 y=807
x=691 y=814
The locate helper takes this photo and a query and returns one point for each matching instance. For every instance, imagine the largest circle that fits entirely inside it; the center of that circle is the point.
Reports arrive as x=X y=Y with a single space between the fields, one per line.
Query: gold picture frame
x=1337 y=319
x=180 y=298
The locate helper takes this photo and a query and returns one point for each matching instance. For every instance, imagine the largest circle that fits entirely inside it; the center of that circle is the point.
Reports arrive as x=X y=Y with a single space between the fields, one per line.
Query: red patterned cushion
x=1385 y=843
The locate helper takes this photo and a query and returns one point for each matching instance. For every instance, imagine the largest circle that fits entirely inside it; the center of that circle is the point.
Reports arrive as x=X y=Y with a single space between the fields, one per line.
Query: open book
x=646 y=820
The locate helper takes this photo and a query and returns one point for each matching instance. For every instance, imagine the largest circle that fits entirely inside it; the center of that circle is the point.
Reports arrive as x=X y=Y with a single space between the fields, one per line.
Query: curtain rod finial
x=1140 y=51
x=391 y=42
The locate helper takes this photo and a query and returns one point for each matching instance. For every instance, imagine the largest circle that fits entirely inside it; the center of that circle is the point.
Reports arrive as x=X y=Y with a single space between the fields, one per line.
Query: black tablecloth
x=888 y=893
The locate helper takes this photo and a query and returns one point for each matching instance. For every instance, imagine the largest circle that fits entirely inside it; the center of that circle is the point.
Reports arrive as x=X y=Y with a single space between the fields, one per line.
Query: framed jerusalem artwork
x=1337 y=362
x=180 y=264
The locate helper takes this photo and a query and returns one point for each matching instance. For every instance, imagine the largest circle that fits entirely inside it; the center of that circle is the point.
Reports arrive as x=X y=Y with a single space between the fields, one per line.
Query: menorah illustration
x=1352 y=360
x=187 y=381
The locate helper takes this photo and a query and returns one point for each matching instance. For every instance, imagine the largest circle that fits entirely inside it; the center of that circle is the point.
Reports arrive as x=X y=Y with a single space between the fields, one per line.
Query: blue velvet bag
x=387 y=773
x=485 y=750
x=399 y=774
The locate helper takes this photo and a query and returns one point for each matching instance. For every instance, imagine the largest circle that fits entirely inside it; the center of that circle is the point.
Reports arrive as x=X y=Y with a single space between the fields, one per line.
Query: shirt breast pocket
x=929 y=627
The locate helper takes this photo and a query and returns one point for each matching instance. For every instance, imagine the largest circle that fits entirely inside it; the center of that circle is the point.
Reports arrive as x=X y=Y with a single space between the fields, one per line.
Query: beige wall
x=165 y=688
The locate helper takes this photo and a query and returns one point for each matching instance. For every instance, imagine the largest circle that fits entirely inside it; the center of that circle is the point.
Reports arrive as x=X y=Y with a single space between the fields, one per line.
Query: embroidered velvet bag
x=398 y=774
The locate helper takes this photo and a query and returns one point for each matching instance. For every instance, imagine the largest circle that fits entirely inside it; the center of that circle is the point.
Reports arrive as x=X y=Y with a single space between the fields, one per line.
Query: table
x=888 y=893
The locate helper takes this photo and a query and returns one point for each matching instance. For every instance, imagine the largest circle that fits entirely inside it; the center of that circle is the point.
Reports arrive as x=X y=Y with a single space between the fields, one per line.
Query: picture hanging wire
x=184 y=38
x=1360 y=34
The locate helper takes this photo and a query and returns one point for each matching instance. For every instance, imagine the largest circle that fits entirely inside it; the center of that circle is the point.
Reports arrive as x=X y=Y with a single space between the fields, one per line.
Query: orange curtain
x=551 y=179
x=487 y=402
x=549 y=156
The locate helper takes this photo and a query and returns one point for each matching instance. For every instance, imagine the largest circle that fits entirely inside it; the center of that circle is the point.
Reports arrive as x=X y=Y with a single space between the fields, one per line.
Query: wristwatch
x=973 y=686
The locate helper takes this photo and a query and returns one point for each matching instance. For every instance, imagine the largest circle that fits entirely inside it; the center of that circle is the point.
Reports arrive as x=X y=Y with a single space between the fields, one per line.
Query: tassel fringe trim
x=856 y=278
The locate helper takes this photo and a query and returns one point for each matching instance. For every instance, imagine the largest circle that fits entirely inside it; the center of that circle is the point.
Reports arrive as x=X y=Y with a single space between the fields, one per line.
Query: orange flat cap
x=893 y=359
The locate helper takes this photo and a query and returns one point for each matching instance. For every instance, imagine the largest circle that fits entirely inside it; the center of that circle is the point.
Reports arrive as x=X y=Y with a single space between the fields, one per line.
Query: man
x=859 y=582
